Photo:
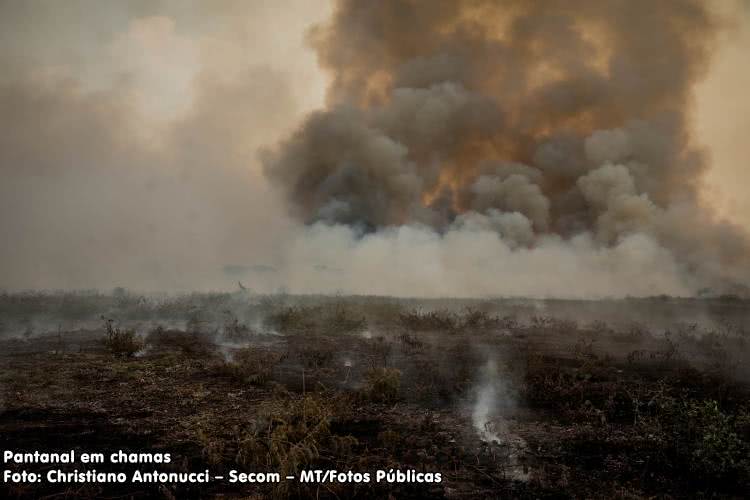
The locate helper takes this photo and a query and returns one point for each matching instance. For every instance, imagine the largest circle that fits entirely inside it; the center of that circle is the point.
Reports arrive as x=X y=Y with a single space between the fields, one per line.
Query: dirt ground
x=505 y=398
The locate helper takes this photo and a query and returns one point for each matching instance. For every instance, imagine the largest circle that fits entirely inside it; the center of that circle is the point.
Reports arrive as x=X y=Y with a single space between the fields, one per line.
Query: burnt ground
x=625 y=399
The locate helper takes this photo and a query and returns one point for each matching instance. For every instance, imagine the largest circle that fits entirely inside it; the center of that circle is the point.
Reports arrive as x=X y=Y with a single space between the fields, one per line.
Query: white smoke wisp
x=491 y=396
x=473 y=260
x=493 y=405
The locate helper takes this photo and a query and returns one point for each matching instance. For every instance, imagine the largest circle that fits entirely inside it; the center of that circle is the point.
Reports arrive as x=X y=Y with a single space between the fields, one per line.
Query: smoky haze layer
x=128 y=138
x=514 y=141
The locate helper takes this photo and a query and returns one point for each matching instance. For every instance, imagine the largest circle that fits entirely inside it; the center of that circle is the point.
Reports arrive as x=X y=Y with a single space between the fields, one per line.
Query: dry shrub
x=212 y=450
x=443 y=320
x=234 y=331
x=316 y=355
x=389 y=439
x=197 y=323
x=294 y=436
x=410 y=342
x=550 y=385
x=194 y=344
x=251 y=365
x=635 y=333
x=432 y=385
x=379 y=351
x=122 y=343
x=382 y=385
x=562 y=326
x=478 y=319
x=418 y=320
x=343 y=320
x=291 y=319
x=383 y=311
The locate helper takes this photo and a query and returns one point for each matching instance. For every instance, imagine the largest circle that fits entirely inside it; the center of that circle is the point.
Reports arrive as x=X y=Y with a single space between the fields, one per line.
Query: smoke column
x=521 y=148
x=490 y=397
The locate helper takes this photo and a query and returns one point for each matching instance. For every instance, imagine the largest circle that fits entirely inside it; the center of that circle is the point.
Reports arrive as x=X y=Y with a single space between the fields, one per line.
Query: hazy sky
x=130 y=133
x=722 y=119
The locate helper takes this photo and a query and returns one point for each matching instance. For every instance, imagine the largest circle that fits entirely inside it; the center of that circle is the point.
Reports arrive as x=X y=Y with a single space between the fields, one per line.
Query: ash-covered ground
x=505 y=398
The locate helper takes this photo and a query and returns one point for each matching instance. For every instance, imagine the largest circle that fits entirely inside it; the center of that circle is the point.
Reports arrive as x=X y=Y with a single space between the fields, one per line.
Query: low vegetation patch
x=122 y=343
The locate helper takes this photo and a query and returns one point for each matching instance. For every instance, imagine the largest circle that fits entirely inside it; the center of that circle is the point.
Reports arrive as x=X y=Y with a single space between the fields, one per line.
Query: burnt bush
x=292 y=319
x=294 y=434
x=121 y=343
x=251 y=365
x=418 y=320
x=344 y=320
x=235 y=331
x=314 y=353
x=194 y=344
x=382 y=385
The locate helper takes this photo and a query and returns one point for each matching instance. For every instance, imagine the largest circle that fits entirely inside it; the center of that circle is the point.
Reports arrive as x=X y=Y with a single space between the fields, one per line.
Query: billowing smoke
x=485 y=147
x=464 y=148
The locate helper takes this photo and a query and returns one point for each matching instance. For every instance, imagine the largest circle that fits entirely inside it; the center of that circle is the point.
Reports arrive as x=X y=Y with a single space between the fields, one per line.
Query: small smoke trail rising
x=490 y=395
x=494 y=402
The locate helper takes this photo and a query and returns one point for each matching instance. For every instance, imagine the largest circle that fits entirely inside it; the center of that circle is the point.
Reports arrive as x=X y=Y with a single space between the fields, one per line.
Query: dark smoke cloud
x=547 y=123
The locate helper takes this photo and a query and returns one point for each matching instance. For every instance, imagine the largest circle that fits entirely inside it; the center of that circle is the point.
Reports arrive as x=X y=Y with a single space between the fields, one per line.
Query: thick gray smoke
x=465 y=148
x=511 y=147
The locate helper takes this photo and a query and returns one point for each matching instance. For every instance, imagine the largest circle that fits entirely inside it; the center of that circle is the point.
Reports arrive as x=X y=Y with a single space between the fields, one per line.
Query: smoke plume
x=507 y=147
x=462 y=148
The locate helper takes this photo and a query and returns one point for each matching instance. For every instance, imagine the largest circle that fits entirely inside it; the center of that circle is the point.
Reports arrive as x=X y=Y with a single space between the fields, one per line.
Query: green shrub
x=718 y=450
x=707 y=438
